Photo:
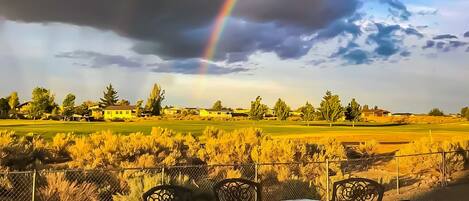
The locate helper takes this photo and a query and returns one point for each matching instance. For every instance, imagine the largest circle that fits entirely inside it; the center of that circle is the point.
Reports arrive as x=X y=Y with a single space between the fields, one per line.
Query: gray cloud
x=192 y=66
x=98 y=60
x=466 y=34
x=398 y=9
x=387 y=44
x=176 y=29
x=188 y=66
x=429 y=44
x=412 y=31
x=444 y=36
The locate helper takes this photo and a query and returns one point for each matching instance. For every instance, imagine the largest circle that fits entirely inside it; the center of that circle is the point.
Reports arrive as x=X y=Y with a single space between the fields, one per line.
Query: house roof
x=120 y=107
x=211 y=110
x=376 y=111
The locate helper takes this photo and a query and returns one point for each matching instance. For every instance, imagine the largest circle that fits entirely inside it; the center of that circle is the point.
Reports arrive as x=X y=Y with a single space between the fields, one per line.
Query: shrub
x=59 y=189
x=137 y=185
x=420 y=163
x=368 y=148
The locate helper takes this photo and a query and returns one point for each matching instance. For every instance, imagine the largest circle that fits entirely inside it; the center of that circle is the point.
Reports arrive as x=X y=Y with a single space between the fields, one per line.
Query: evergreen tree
x=281 y=110
x=123 y=102
x=155 y=100
x=308 y=112
x=331 y=109
x=13 y=102
x=217 y=105
x=4 y=108
x=110 y=97
x=68 y=106
x=258 y=109
x=353 y=112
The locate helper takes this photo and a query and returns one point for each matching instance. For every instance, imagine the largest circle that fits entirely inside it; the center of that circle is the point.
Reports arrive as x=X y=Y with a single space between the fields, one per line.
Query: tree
x=68 y=106
x=217 y=105
x=83 y=109
x=42 y=102
x=4 y=108
x=123 y=102
x=258 y=109
x=330 y=108
x=110 y=97
x=155 y=100
x=281 y=110
x=353 y=112
x=436 y=112
x=366 y=107
x=465 y=112
x=138 y=109
x=13 y=102
x=308 y=112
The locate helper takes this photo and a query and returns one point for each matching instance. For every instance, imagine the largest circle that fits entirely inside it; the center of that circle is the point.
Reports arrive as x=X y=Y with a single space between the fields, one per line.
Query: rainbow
x=219 y=25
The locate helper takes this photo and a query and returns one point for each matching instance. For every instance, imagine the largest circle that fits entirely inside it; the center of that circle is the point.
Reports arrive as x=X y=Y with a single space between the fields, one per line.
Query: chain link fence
x=280 y=181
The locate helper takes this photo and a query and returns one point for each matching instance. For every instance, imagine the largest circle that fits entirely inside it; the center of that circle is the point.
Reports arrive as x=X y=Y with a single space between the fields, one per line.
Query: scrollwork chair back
x=357 y=189
x=168 y=193
x=237 y=190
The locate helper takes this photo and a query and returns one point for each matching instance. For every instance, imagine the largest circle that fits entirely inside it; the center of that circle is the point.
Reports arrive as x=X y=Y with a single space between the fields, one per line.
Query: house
x=216 y=113
x=240 y=112
x=120 y=112
x=375 y=113
x=172 y=111
x=96 y=112
x=402 y=114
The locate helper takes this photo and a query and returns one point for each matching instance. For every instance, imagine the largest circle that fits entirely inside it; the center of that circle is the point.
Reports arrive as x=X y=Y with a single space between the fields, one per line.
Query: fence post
x=327 y=179
x=162 y=175
x=256 y=172
x=443 y=167
x=397 y=175
x=33 y=195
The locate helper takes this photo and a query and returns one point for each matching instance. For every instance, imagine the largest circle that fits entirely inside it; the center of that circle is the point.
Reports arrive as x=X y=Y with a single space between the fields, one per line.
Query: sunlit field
x=285 y=129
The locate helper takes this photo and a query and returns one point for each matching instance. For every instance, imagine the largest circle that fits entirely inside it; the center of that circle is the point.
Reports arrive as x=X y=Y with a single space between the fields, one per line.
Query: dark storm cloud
x=177 y=29
x=192 y=66
x=384 y=38
x=98 y=60
x=398 y=9
x=339 y=27
x=444 y=36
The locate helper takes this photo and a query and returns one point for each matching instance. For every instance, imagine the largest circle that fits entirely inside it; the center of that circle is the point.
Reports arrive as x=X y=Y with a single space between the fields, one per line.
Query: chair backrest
x=237 y=190
x=357 y=189
x=168 y=193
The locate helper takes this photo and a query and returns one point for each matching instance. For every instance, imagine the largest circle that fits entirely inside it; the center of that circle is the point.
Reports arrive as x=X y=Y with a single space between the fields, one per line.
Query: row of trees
x=43 y=102
x=330 y=109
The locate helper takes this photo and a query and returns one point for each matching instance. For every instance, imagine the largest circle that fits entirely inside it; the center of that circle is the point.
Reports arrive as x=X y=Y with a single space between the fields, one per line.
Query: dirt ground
x=456 y=190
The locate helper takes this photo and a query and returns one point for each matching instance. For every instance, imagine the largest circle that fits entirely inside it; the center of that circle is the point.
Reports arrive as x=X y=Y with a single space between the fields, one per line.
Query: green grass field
x=290 y=129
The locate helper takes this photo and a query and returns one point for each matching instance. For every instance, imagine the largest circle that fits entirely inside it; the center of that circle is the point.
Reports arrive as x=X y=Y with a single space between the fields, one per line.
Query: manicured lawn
x=290 y=129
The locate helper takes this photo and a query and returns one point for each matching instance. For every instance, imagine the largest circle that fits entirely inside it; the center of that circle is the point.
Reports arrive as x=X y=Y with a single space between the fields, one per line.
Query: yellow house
x=119 y=112
x=216 y=113
x=172 y=111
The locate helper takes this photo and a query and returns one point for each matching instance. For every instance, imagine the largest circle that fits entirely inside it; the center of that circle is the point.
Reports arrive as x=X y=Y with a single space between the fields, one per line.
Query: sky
x=404 y=56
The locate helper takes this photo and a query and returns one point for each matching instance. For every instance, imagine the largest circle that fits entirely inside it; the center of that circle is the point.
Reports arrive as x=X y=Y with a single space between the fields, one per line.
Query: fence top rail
x=161 y=167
